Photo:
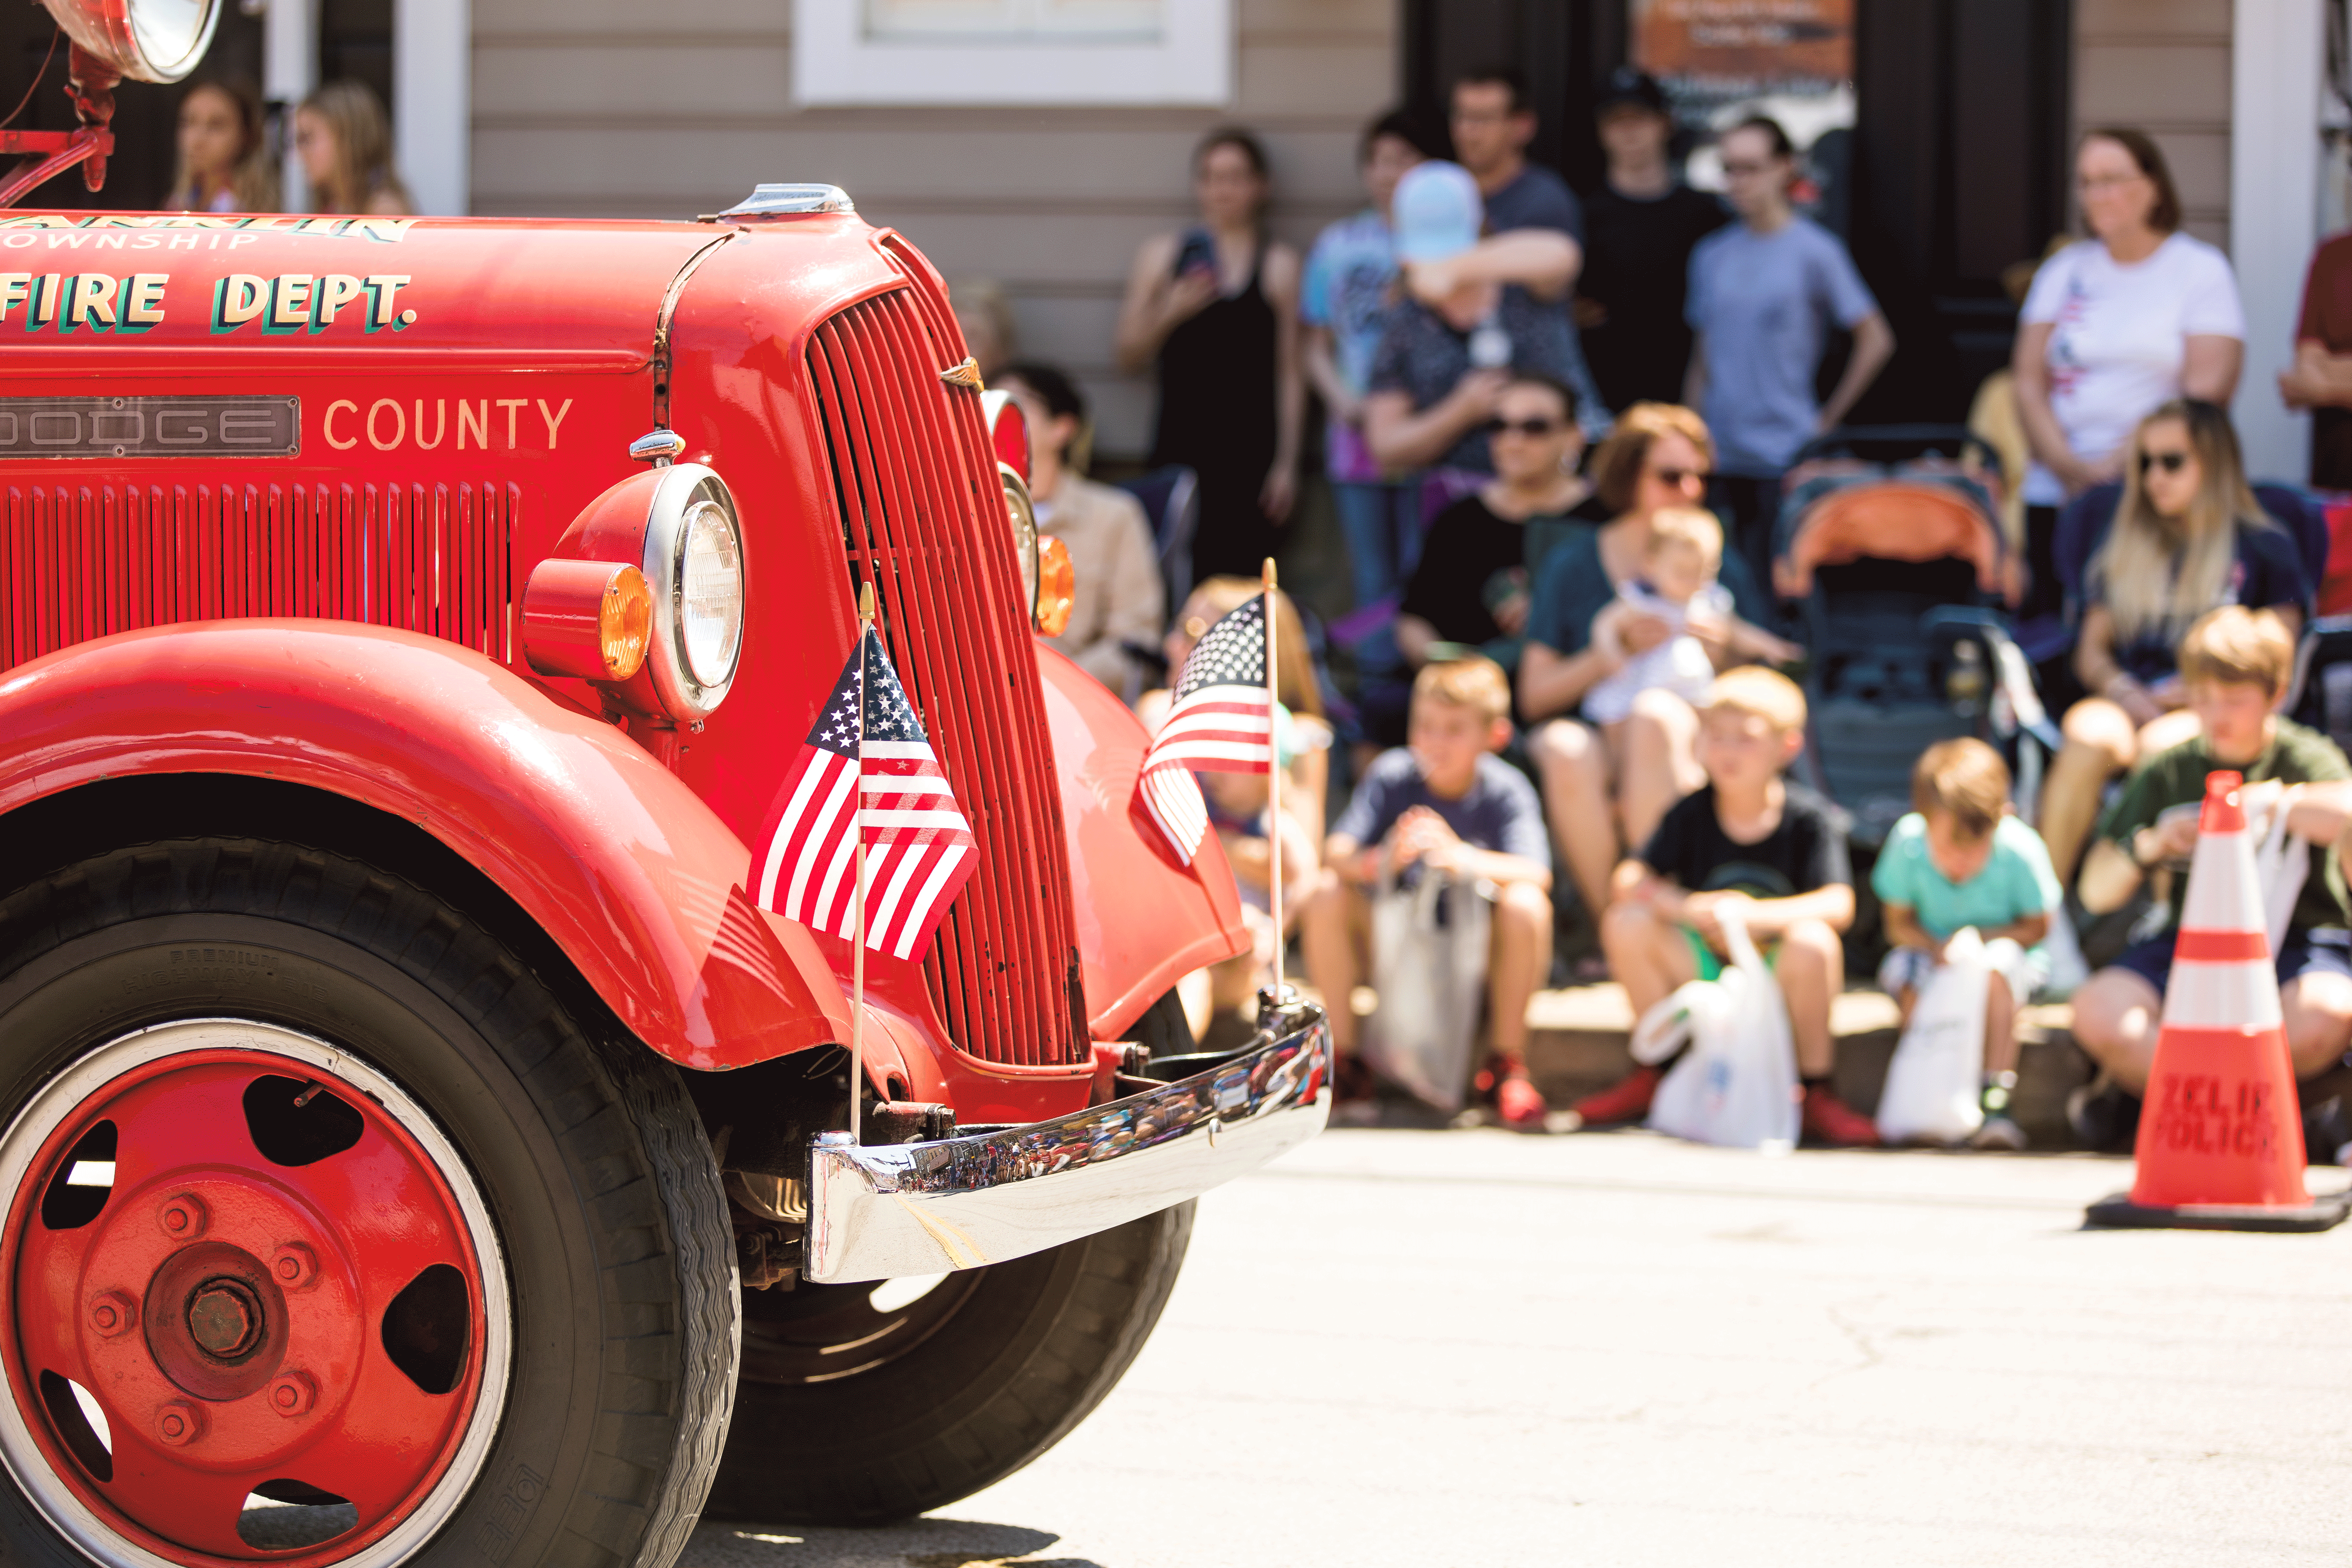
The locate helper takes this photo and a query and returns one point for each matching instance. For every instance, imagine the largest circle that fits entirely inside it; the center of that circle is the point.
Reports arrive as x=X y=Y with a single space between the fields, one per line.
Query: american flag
x=1222 y=720
x=919 y=847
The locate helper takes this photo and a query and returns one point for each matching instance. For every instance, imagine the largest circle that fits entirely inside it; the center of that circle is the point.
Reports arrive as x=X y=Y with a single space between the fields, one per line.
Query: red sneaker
x=1829 y=1120
x=1520 y=1103
x=1627 y=1100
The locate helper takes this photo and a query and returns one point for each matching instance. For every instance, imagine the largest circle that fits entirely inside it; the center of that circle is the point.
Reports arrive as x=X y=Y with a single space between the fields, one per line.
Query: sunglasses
x=2170 y=462
x=1523 y=426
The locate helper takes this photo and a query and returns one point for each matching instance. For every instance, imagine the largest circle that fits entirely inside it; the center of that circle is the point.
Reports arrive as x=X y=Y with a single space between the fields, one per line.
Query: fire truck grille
x=924 y=521
x=79 y=562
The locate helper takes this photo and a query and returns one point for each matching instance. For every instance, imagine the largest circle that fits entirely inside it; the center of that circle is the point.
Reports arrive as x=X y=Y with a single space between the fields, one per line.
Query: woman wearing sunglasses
x=1472 y=588
x=2188 y=537
x=1600 y=793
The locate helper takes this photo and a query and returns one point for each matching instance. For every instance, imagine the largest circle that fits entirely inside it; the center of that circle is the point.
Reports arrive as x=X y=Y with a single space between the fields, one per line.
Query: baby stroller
x=1889 y=542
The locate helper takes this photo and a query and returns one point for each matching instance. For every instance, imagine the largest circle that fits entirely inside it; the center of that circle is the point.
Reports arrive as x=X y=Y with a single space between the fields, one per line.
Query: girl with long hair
x=223 y=152
x=2188 y=537
x=345 y=144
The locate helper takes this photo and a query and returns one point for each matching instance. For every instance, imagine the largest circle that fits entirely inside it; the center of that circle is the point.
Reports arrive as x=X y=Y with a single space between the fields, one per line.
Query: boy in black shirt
x=1747 y=838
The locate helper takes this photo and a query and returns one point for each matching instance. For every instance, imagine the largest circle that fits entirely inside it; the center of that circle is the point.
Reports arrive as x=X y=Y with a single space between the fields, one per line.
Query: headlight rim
x=1022 y=513
x=681 y=694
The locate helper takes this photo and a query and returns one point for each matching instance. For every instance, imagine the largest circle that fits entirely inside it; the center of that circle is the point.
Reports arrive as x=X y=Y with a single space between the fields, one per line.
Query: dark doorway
x=146 y=116
x=1960 y=172
x=355 y=43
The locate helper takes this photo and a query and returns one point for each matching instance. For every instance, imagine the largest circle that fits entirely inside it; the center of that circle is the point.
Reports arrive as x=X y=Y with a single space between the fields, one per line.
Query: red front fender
x=630 y=873
x=1144 y=920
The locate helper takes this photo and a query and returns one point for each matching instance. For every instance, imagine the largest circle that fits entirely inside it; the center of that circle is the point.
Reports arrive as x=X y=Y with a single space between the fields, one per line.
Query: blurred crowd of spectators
x=1555 y=434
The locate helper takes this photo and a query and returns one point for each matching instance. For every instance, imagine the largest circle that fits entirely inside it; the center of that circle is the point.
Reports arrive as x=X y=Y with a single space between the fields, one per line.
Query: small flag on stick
x=882 y=776
x=1221 y=721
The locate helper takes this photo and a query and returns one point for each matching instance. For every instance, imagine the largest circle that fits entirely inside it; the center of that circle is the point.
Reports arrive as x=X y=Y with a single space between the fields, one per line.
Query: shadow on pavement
x=915 y=1543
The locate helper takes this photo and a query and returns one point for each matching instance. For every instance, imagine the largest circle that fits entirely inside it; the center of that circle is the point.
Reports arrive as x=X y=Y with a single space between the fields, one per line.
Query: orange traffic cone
x=2220 y=1130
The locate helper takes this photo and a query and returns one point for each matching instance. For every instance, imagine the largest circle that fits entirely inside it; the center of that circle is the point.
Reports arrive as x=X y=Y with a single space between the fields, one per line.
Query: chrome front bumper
x=880 y=1211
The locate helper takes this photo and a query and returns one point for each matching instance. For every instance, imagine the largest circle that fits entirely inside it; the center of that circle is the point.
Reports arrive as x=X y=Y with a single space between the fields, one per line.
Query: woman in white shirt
x=2114 y=325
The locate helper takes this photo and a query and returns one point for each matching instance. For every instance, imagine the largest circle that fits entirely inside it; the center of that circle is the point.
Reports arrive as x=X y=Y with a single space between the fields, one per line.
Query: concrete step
x=1579 y=1042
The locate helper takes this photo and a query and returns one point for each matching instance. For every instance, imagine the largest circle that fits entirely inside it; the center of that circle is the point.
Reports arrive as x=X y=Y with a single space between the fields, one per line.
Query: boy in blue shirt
x=1961 y=859
x=1443 y=800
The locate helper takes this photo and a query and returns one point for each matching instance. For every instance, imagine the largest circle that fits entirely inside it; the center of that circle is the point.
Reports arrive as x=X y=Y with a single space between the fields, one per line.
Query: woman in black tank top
x=1215 y=310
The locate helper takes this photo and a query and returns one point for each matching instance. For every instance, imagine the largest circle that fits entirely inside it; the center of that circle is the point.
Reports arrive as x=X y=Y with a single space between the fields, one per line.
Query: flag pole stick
x=1273 y=787
x=857 y=960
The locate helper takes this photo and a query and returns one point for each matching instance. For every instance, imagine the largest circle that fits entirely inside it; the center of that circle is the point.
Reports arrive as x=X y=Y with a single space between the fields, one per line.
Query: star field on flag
x=1221 y=721
x=918 y=846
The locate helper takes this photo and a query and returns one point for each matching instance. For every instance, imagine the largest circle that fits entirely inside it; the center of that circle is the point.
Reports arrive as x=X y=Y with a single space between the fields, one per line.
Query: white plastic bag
x=2282 y=863
x=1934 y=1084
x=1737 y=1084
x=1431 y=981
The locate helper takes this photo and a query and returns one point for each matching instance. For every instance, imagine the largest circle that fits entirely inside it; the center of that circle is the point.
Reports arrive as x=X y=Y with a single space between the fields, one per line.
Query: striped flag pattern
x=919 y=847
x=1222 y=720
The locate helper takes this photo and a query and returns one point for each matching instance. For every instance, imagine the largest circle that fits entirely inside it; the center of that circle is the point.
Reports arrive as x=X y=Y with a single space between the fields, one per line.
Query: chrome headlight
x=694 y=563
x=1024 y=516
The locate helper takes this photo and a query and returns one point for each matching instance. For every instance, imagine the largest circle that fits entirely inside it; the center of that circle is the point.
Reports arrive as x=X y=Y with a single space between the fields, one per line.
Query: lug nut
x=293 y=1394
x=296 y=1266
x=178 y=1424
x=113 y=1313
x=182 y=1217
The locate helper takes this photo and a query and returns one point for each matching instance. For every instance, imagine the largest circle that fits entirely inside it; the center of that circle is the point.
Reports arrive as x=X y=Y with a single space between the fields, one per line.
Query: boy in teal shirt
x=1961 y=859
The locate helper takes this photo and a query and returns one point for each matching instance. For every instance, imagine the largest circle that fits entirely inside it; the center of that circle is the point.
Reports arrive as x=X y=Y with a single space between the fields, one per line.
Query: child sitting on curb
x=1747 y=839
x=1443 y=800
x=2235 y=664
x=1961 y=859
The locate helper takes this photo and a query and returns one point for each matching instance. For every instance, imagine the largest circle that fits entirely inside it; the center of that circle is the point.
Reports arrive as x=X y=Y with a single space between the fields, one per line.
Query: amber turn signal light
x=1058 y=586
x=592 y=619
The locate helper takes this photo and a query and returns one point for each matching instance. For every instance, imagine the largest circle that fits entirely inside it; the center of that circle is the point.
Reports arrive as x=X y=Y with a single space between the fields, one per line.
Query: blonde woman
x=225 y=165
x=1237 y=802
x=2188 y=537
x=345 y=145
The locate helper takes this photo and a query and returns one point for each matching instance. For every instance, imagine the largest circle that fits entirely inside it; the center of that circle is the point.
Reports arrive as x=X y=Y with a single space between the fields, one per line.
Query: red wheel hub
x=240 y=1308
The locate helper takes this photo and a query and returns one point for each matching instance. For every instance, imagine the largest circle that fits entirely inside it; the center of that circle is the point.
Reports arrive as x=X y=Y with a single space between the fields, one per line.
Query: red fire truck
x=418 y=1145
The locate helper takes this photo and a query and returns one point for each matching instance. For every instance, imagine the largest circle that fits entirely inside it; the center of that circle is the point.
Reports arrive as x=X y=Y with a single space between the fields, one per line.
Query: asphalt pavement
x=1474 y=1348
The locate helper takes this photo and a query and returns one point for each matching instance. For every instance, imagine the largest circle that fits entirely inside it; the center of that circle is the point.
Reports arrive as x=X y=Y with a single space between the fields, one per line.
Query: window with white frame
x=1013 y=51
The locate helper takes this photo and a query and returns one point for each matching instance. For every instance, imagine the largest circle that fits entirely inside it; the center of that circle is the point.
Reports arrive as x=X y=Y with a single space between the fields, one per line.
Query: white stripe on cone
x=2224 y=895
x=2239 y=994
x=2223 y=892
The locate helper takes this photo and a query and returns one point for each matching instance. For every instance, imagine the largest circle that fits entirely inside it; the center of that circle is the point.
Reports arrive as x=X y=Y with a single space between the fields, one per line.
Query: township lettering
x=107 y=231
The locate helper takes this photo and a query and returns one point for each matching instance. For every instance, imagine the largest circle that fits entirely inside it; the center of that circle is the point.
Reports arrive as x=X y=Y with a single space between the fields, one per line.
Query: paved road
x=1472 y=1348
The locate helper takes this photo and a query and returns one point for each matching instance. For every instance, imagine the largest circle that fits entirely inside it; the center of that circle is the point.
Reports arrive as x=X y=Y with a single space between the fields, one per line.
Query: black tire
x=1023 y=1351
x=583 y=1145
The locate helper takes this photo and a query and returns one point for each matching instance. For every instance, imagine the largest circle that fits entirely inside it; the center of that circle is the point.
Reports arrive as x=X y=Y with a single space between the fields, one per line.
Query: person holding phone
x=1214 y=309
